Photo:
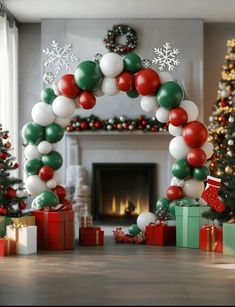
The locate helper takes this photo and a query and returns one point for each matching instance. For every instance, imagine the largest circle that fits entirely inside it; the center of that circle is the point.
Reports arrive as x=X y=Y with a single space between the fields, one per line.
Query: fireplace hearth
x=121 y=191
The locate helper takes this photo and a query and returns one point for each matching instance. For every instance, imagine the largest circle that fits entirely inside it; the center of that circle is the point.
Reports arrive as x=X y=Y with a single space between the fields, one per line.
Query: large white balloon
x=165 y=77
x=109 y=86
x=149 y=103
x=193 y=188
x=162 y=115
x=42 y=114
x=31 y=152
x=111 y=65
x=191 y=109
x=34 y=185
x=178 y=148
x=173 y=130
x=144 y=219
x=63 y=106
x=62 y=121
x=45 y=147
x=208 y=148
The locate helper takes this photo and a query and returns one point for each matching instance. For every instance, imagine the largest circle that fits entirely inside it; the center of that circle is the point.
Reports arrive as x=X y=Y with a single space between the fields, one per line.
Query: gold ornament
x=229 y=170
x=7 y=145
x=219 y=173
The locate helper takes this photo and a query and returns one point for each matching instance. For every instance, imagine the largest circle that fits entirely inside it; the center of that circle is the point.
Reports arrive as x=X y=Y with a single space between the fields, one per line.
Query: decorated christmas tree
x=222 y=135
x=11 y=192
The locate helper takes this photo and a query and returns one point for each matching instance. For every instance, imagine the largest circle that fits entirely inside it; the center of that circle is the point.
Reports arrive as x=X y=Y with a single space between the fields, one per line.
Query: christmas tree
x=222 y=135
x=11 y=193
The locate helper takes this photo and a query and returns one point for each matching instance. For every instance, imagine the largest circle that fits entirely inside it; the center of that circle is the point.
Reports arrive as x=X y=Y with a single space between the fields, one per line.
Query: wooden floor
x=118 y=274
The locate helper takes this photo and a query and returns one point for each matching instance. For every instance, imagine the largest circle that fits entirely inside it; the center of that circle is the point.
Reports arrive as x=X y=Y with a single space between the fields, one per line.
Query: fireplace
x=120 y=191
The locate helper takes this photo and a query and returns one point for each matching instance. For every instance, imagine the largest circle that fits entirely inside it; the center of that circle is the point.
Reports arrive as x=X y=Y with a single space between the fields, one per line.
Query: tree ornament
x=229 y=170
x=16 y=165
x=68 y=87
x=10 y=193
x=230 y=142
x=5 y=136
x=147 y=81
x=170 y=95
x=22 y=205
x=7 y=145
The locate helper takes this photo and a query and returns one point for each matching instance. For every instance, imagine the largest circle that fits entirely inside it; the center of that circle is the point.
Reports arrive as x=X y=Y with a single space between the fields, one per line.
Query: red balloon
x=10 y=193
x=46 y=173
x=125 y=81
x=174 y=192
x=68 y=87
x=195 y=134
x=60 y=191
x=86 y=100
x=196 y=157
x=147 y=81
x=178 y=117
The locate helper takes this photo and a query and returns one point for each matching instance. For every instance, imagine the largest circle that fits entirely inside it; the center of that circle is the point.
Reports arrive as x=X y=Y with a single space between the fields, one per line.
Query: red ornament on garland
x=68 y=87
x=141 y=117
x=195 y=134
x=178 y=117
x=86 y=100
x=22 y=205
x=174 y=192
x=10 y=193
x=144 y=122
x=60 y=191
x=125 y=81
x=46 y=173
x=147 y=81
x=83 y=125
x=98 y=125
x=196 y=157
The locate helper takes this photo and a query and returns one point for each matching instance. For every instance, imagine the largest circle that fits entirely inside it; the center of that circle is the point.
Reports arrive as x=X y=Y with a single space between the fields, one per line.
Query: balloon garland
x=159 y=93
x=121 y=30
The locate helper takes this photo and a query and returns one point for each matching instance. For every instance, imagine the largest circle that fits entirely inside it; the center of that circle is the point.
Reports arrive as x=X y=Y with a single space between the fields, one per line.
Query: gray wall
x=215 y=38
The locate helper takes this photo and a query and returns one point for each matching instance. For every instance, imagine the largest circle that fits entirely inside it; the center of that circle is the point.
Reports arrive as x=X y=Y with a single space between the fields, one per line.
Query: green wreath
x=121 y=30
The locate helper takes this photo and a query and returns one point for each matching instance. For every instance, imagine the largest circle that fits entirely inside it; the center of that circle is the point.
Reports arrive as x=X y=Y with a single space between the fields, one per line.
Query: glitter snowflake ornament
x=48 y=77
x=166 y=57
x=59 y=57
x=97 y=57
x=146 y=63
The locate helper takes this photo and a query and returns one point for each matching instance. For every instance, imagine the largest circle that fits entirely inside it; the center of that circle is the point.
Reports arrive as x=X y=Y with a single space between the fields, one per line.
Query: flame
x=137 y=209
x=114 y=205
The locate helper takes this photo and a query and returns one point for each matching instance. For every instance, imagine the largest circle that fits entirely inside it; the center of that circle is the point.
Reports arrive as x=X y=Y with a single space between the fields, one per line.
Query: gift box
x=27 y=220
x=229 y=239
x=25 y=238
x=160 y=235
x=55 y=230
x=91 y=236
x=211 y=238
x=7 y=247
x=85 y=221
x=188 y=223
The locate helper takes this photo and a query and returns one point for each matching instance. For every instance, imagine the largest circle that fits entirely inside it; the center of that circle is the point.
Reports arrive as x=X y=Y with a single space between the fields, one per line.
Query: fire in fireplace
x=120 y=191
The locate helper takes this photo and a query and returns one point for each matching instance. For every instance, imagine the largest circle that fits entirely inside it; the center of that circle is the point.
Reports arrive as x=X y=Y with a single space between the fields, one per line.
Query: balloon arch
x=112 y=74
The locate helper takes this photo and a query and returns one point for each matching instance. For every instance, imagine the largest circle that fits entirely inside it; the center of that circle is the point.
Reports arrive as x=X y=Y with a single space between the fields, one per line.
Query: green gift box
x=188 y=223
x=4 y=222
x=229 y=239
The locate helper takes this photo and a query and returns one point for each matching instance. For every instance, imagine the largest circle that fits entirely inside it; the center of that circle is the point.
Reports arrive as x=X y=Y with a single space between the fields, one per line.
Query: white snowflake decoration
x=59 y=57
x=48 y=77
x=146 y=63
x=166 y=57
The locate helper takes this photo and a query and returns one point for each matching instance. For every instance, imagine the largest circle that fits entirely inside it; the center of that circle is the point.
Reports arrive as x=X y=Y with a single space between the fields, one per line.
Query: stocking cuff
x=213 y=181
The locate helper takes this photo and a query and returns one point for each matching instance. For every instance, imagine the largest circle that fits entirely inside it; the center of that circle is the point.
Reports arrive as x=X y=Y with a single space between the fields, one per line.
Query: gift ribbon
x=97 y=237
x=17 y=227
x=210 y=237
x=8 y=244
x=185 y=226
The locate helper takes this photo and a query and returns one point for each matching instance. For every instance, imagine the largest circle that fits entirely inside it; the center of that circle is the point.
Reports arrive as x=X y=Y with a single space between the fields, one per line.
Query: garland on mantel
x=122 y=123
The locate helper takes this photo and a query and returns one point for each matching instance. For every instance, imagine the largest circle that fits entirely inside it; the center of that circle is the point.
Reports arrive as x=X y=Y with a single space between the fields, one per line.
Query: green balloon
x=54 y=133
x=46 y=199
x=48 y=95
x=132 y=62
x=53 y=159
x=132 y=93
x=32 y=133
x=33 y=166
x=133 y=230
x=172 y=208
x=162 y=203
x=201 y=173
x=181 y=169
x=88 y=76
x=170 y=95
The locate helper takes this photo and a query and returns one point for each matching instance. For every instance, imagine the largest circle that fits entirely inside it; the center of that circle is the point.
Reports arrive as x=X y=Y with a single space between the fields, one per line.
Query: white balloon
x=45 y=147
x=162 y=115
x=51 y=184
x=63 y=106
x=173 y=130
x=208 y=148
x=111 y=65
x=99 y=93
x=178 y=148
x=62 y=121
x=191 y=109
x=57 y=177
x=144 y=219
x=165 y=77
x=178 y=182
x=34 y=185
x=149 y=103
x=42 y=114
x=109 y=86
x=193 y=188
x=31 y=152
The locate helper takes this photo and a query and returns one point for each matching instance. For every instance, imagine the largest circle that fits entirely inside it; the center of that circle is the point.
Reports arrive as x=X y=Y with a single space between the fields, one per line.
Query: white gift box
x=25 y=237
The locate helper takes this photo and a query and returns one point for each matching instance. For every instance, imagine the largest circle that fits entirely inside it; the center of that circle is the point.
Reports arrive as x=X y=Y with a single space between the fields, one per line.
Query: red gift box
x=160 y=235
x=211 y=238
x=7 y=247
x=91 y=236
x=55 y=230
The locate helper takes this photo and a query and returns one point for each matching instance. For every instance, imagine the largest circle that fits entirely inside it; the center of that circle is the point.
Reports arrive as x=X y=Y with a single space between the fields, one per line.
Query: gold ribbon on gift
x=17 y=227
x=211 y=243
x=8 y=245
x=97 y=237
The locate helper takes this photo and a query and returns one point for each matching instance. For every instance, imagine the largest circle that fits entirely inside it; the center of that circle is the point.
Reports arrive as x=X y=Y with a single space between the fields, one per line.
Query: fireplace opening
x=121 y=191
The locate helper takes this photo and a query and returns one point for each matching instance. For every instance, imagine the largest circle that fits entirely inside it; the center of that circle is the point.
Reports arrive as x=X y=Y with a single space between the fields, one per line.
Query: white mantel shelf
x=110 y=133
